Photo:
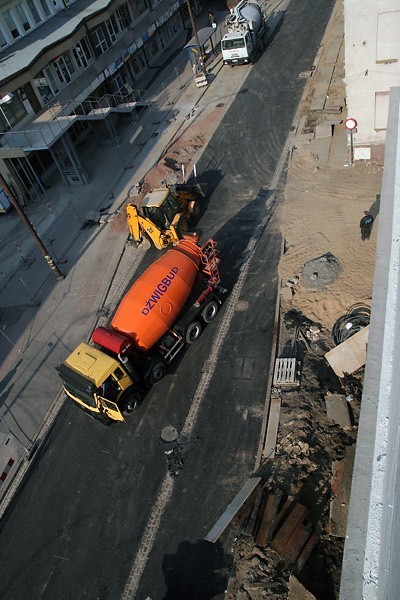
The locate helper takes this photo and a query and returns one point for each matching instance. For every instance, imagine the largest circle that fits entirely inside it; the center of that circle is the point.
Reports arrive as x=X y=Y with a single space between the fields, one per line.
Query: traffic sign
x=350 y=124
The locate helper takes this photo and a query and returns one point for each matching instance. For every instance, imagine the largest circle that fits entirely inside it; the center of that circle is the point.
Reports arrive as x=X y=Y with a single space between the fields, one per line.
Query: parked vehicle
x=164 y=311
x=5 y=203
x=165 y=214
x=247 y=34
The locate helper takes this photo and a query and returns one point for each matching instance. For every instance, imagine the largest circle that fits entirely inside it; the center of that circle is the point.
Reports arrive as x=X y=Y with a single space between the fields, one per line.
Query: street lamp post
x=203 y=66
x=29 y=225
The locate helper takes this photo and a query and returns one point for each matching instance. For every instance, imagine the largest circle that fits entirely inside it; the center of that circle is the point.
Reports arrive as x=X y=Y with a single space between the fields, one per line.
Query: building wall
x=372 y=67
x=370 y=569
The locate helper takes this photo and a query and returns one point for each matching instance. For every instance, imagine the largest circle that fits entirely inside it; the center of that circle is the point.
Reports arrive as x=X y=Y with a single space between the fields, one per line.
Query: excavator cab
x=160 y=207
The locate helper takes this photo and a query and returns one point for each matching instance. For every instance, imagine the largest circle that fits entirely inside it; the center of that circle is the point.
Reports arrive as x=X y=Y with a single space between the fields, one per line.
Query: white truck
x=247 y=33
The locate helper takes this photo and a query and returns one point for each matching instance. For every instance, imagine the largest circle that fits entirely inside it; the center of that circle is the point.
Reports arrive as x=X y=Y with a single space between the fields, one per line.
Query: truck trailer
x=164 y=311
x=247 y=34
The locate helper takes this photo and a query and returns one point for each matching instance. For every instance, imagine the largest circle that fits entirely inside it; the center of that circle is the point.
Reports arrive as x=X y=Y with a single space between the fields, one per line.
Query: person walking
x=366 y=225
x=211 y=19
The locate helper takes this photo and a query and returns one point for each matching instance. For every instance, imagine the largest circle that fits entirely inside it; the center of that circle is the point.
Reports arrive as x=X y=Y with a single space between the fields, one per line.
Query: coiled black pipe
x=357 y=317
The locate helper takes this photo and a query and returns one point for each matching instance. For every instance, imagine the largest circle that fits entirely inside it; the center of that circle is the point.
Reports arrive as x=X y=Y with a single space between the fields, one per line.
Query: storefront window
x=137 y=62
x=161 y=41
x=174 y=25
x=43 y=87
x=13 y=109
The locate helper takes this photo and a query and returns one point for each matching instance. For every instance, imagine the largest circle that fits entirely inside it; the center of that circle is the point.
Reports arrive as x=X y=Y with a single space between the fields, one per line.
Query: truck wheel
x=210 y=311
x=193 y=332
x=156 y=372
x=133 y=401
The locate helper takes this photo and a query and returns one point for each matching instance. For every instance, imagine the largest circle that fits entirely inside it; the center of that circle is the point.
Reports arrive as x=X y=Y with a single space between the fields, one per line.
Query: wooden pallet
x=286 y=372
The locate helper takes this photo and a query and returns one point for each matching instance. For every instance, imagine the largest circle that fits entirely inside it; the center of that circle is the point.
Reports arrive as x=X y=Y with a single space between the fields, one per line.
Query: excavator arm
x=134 y=226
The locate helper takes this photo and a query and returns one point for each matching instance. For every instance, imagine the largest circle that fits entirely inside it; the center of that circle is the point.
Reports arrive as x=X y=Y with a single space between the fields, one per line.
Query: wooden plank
x=287 y=505
x=272 y=428
x=296 y=542
x=291 y=522
x=257 y=498
x=308 y=548
x=232 y=509
x=350 y=355
x=268 y=512
x=245 y=511
x=337 y=409
x=342 y=473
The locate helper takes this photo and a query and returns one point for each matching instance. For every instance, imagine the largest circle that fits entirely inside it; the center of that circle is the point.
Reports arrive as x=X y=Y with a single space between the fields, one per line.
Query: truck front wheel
x=156 y=372
x=193 y=332
x=132 y=401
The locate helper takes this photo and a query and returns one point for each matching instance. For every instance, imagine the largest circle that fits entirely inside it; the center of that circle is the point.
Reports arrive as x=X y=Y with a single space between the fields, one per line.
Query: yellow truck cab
x=98 y=383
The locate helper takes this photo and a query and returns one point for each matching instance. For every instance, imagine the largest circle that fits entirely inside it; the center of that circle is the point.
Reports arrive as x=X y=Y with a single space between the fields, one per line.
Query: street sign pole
x=351 y=126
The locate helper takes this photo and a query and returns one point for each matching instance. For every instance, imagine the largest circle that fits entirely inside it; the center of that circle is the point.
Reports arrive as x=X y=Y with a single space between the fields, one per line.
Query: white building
x=372 y=67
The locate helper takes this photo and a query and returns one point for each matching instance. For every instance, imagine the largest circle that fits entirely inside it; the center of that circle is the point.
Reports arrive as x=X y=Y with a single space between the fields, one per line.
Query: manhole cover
x=169 y=434
x=242 y=305
x=321 y=271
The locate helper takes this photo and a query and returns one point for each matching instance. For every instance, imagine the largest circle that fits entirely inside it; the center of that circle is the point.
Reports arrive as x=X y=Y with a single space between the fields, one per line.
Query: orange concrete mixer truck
x=164 y=311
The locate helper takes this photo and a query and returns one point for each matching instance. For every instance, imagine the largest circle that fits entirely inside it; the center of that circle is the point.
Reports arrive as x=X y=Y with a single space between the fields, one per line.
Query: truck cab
x=237 y=48
x=99 y=383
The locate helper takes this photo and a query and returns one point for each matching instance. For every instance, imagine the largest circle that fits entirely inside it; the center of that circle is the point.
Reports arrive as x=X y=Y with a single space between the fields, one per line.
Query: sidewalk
x=42 y=320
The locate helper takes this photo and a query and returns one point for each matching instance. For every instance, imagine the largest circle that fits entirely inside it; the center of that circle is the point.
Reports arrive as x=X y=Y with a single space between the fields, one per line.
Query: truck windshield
x=233 y=44
x=163 y=215
x=77 y=386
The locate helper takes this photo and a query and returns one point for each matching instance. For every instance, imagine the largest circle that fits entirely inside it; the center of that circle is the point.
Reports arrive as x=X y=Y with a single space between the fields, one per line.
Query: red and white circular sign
x=350 y=124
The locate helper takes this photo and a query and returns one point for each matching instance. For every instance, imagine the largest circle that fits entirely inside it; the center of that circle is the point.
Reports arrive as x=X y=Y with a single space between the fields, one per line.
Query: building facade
x=68 y=66
x=372 y=67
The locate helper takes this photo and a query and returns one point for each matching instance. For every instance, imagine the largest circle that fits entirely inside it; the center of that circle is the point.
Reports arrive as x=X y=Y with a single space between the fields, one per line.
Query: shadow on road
x=198 y=570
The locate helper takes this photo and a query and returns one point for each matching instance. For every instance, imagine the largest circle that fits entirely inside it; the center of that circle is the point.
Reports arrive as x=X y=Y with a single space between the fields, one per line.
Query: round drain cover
x=169 y=434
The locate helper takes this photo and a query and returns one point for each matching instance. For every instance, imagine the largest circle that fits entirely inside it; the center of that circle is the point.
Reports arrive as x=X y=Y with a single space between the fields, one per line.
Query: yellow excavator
x=164 y=214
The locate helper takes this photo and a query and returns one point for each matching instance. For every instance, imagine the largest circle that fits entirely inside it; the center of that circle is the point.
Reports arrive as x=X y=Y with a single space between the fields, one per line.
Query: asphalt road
x=76 y=525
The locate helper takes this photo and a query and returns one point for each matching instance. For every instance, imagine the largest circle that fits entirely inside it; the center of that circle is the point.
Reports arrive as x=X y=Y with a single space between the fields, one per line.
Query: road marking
x=167 y=486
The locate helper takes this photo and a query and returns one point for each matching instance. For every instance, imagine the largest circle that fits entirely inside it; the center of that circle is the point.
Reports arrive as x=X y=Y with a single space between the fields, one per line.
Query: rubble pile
x=301 y=471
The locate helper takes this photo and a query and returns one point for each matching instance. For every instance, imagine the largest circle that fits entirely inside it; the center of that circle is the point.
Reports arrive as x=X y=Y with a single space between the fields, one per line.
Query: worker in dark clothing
x=366 y=225
x=211 y=19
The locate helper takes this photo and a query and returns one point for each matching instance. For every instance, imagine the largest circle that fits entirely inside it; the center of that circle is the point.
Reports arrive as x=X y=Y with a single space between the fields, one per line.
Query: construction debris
x=350 y=355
